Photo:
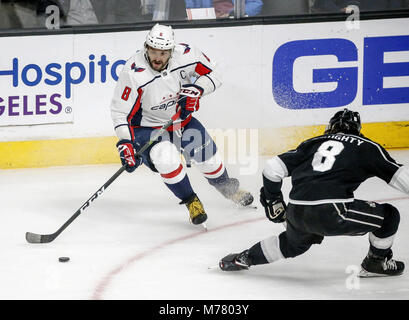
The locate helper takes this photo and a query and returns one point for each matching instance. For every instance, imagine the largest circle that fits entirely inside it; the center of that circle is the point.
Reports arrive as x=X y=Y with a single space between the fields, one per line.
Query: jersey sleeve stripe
x=201 y=69
x=135 y=109
x=400 y=180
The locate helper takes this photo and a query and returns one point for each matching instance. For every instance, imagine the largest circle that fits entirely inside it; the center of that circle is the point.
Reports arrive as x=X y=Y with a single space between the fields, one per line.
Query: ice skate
x=197 y=213
x=376 y=266
x=242 y=198
x=235 y=261
x=230 y=190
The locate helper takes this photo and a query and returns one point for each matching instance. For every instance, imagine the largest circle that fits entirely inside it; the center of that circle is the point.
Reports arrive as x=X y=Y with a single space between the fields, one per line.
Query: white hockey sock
x=166 y=159
x=381 y=243
x=211 y=168
x=271 y=249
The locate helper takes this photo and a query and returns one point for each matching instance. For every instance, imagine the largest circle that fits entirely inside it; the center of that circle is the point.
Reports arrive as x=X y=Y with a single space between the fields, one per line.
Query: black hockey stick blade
x=39 y=238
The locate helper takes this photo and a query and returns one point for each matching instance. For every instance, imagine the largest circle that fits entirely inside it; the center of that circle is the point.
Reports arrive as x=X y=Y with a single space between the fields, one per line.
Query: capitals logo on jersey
x=136 y=69
x=187 y=48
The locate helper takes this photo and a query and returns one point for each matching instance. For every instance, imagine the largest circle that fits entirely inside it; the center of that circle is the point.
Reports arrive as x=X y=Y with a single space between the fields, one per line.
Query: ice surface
x=136 y=242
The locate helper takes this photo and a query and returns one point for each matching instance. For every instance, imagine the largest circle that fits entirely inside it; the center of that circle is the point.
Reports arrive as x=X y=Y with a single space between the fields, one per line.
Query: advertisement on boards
x=33 y=77
x=39 y=88
x=273 y=76
x=378 y=66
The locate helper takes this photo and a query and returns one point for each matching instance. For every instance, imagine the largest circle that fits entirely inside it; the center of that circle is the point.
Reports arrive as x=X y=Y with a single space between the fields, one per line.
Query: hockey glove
x=274 y=207
x=188 y=100
x=127 y=154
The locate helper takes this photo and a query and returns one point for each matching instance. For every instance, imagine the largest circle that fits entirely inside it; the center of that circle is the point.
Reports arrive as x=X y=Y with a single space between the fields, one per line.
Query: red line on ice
x=104 y=283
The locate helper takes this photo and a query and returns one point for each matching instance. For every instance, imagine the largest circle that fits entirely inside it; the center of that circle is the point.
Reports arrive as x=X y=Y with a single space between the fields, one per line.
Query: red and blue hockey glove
x=127 y=154
x=188 y=100
x=274 y=207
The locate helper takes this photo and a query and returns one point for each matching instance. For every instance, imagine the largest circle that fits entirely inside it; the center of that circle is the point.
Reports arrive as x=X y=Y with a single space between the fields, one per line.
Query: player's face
x=158 y=58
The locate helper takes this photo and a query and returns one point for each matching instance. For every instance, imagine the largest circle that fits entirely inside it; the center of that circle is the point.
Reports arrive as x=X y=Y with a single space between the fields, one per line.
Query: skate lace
x=195 y=208
x=390 y=265
x=243 y=260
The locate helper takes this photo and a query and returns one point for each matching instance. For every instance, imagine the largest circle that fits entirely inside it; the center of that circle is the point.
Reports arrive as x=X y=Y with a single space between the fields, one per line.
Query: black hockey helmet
x=345 y=121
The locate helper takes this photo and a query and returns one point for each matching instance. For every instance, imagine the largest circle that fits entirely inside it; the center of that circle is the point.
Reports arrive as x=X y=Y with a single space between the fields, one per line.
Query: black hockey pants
x=308 y=224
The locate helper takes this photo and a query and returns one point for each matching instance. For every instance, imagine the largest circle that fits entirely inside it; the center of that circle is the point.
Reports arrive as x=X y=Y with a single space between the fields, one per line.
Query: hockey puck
x=63 y=259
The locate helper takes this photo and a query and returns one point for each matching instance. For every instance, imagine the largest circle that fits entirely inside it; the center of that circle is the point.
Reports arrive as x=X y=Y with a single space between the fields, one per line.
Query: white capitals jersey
x=148 y=98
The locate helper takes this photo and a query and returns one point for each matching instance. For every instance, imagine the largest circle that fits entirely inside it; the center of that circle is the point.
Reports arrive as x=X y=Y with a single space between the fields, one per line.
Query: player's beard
x=158 y=65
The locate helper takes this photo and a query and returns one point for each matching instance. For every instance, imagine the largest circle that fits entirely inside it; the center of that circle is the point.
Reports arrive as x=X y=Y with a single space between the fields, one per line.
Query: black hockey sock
x=378 y=253
x=390 y=222
x=256 y=255
x=388 y=230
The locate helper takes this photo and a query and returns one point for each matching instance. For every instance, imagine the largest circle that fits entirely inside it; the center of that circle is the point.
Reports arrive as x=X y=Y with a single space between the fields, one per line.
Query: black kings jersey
x=329 y=168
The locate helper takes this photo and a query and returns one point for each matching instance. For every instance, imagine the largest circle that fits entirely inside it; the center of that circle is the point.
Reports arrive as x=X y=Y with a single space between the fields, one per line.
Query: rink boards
x=101 y=150
x=281 y=84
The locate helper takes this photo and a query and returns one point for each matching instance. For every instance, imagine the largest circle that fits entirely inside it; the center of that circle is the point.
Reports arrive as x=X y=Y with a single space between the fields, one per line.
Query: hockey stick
x=46 y=238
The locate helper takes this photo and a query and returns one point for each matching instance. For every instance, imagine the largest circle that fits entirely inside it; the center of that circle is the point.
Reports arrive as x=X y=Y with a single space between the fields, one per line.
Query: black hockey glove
x=128 y=156
x=274 y=207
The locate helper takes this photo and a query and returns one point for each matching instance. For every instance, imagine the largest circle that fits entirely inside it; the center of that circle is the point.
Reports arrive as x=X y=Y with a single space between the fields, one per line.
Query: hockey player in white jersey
x=155 y=83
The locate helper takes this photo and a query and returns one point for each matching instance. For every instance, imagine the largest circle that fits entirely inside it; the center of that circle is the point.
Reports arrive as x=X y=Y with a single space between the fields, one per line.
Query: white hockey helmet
x=161 y=37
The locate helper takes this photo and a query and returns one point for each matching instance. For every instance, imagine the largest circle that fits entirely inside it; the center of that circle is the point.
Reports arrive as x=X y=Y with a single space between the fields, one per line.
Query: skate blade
x=241 y=207
x=213 y=267
x=203 y=224
x=366 y=274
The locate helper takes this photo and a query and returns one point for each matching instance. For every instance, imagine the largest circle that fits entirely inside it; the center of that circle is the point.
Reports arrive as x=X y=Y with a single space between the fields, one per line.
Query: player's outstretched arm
x=125 y=101
x=127 y=153
x=271 y=196
x=400 y=179
x=208 y=78
x=188 y=99
x=274 y=206
x=383 y=166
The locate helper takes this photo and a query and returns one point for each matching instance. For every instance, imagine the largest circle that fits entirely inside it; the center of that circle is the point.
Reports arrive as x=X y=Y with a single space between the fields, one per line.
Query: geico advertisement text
x=290 y=63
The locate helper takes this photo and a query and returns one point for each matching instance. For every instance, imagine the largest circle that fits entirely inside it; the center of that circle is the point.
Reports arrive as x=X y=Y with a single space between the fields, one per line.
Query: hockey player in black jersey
x=325 y=172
